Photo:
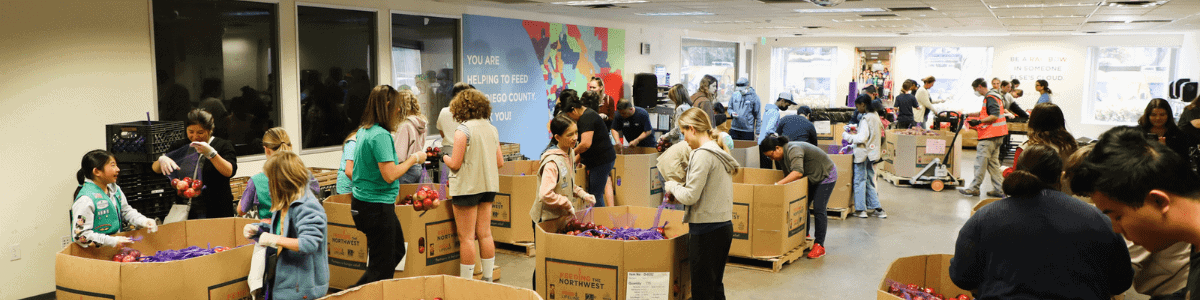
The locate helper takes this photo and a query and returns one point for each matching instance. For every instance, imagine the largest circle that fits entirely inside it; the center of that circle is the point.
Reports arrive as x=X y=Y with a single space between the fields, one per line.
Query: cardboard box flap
x=362 y=292
x=66 y=265
x=923 y=270
x=757 y=176
x=211 y=232
x=520 y=168
x=424 y=287
x=343 y=199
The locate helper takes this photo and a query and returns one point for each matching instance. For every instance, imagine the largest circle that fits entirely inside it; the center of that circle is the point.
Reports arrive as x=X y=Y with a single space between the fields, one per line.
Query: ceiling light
x=597 y=2
x=1045 y=5
x=1135 y=3
x=872 y=20
x=774 y=27
x=838 y=10
x=724 y=22
x=675 y=14
x=1042 y=17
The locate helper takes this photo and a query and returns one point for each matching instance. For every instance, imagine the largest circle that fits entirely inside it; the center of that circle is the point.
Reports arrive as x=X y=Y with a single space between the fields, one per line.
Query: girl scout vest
x=106 y=211
x=478 y=173
x=262 y=190
x=566 y=187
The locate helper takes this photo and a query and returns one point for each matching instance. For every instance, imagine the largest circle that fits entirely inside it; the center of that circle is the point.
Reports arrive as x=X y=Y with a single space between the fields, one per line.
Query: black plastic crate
x=142 y=141
x=154 y=207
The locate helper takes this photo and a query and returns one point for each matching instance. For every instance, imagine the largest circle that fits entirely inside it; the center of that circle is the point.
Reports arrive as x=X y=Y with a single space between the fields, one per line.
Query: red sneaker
x=817 y=251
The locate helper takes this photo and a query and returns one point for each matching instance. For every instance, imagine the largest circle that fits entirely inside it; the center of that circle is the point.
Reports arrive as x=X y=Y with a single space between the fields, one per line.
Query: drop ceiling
x=777 y=18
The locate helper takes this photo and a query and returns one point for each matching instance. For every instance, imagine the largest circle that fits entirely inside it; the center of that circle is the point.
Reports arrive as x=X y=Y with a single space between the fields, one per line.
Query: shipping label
x=237 y=289
x=741 y=221
x=347 y=246
x=796 y=214
x=502 y=211
x=570 y=280
x=441 y=242
x=647 y=285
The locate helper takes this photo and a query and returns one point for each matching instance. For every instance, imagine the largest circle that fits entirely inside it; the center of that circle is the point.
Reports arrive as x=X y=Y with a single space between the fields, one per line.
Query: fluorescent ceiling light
x=673 y=14
x=872 y=20
x=1045 y=5
x=597 y=2
x=724 y=22
x=775 y=27
x=1042 y=17
x=838 y=10
x=1137 y=3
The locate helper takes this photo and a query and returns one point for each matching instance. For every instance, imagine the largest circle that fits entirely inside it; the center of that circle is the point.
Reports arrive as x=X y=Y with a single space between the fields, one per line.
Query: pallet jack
x=936 y=174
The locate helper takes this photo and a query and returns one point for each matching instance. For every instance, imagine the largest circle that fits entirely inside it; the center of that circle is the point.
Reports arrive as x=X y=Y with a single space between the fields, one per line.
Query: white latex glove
x=150 y=225
x=591 y=200
x=166 y=165
x=123 y=240
x=420 y=156
x=250 y=230
x=603 y=116
x=269 y=240
x=204 y=148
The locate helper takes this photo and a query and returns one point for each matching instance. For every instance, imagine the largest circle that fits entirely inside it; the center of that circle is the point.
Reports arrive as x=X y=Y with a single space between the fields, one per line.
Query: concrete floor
x=920 y=221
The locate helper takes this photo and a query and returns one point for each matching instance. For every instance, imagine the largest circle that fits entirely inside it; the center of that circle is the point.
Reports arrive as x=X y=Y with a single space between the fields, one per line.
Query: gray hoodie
x=708 y=192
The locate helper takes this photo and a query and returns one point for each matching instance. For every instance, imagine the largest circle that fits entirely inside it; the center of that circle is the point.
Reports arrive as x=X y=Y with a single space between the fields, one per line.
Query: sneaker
x=968 y=192
x=861 y=214
x=880 y=213
x=995 y=194
x=817 y=251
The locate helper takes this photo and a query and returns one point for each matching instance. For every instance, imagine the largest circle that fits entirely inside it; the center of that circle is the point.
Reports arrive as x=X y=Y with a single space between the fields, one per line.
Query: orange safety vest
x=995 y=129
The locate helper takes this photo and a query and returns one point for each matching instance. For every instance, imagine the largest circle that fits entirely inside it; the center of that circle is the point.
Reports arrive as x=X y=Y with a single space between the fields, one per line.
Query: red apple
x=928 y=290
x=417 y=205
x=188 y=180
x=428 y=203
x=180 y=185
x=174 y=181
x=128 y=258
x=119 y=257
x=963 y=297
x=437 y=204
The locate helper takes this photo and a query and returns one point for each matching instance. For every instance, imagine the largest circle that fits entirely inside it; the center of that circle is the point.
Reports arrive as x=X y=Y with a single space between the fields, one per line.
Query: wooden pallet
x=893 y=178
x=839 y=213
x=525 y=249
x=770 y=264
x=495 y=274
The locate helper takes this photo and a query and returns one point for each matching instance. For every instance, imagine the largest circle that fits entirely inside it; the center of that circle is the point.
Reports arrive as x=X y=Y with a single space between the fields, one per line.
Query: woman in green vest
x=474 y=179
x=256 y=199
x=100 y=208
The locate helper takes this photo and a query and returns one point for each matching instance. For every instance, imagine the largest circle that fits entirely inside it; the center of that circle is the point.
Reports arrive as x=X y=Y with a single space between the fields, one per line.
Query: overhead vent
x=602 y=6
x=1151 y=21
x=1106 y=22
x=1135 y=3
x=926 y=8
x=878 y=15
x=813 y=27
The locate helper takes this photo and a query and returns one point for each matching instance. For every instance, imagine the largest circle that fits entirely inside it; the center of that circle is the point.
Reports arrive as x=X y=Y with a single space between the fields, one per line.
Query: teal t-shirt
x=375 y=145
x=344 y=185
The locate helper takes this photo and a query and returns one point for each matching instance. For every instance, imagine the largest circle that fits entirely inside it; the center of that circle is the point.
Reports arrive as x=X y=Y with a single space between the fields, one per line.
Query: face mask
x=977 y=94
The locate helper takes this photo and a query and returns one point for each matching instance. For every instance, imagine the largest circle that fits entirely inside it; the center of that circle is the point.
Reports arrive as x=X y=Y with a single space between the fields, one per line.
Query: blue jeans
x=412 y=176
x=865 y=196
x=597 y=177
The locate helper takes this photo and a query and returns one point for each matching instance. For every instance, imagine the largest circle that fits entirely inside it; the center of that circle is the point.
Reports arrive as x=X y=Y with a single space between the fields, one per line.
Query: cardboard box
x=571 y=267
x=905 y=155
x=982 y=203
x=510 y=211
x=843 y=190
x=746 y=153
x=835 y=133
x=90 y=273
x=768 y=220
x=970 y=138
x=636 y=181
x=1020 y=127
x=430 y=287
x=923 y=270
x=434 y=229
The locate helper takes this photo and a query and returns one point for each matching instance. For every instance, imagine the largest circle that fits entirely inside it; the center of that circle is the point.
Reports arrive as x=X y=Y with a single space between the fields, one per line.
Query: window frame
x=737 y=65
x=457 y=55
x=1087 y=114
x=834 y=73
x=991 y=69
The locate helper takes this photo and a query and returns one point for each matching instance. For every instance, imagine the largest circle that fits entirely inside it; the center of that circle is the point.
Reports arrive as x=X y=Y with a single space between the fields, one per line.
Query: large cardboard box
x=90 y=273
x=923 y=270
x=833 y=135
x=970 y=138
x=768 y=220
x=431 y=287
x=636 y=181
x=843 y=190
x=908 y=154
x=746 y=153
x=510 y=211
x=571 y=267
x=430 y=236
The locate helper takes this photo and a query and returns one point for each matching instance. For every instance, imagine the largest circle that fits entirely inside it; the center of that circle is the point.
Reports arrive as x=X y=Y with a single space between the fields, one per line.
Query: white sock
x=488 y=265
x=466 y=271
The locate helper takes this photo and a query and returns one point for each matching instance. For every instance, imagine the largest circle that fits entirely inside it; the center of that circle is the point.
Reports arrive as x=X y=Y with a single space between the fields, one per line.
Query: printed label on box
x=935 y=146
x=741 y=221
x=237 y=289
x=647 y=285
x=656 y=181
x=823 y=127
x=441 y=244
x=347 y=246
x=502 y=211
x=570 y=280
x=796 y=216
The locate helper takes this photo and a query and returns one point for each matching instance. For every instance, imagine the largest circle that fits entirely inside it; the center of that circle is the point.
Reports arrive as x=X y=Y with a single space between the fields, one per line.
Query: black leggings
x=819 y=194
x=707 y=253
x=385 y=238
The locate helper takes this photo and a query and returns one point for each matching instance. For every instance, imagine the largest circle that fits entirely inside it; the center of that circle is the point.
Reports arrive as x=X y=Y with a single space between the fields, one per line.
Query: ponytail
x=95 y=159
x=1039 y=168
x=1023 y=184
x=277 y=139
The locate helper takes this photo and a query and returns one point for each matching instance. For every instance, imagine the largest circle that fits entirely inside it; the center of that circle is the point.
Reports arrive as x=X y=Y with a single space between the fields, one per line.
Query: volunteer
x=1078 y=256
x=706 y=96
x=1042 y=86
x=1048 y=126
x=376 y=176
x=410 y=134
x=926 y=102
x=101 y=209
x=633 y=124
x=446 y=122
x=604 y=104
x=797 y=127
x=256 y=199
x=296 y=232
x=595 y=149
x=1158 y=122
x=708 y=194
x=345 y=184
x=799 y=160
x=770 y=122
x=474 y=179
x=559 y=194
x=866 y=140
x=905 y=103
x=992 y=128
x=679 y=96
x=220 y=163
x=744 y=105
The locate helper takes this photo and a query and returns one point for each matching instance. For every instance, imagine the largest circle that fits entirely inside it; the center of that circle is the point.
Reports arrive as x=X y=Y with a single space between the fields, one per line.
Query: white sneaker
x=861 y=214
x=880 y=213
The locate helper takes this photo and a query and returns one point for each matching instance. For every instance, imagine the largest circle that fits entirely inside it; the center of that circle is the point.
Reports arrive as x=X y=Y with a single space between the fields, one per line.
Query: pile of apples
x=127 y=255
x=433 y=153
x=187 y=187
x=912 y=291
x=425 y=198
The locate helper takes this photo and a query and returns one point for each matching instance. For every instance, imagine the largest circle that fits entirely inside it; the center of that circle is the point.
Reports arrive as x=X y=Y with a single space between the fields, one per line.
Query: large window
x=337 y=68
x=423 y=60
x=808 y=73
x=220 y=56
x=955 y=68
x=1124 y=79
x=703 y=57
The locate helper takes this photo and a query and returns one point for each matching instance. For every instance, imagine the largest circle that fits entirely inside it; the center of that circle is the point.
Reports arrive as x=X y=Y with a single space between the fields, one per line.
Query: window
x=808 y=73
x=337 y=66
x=423 y=60
x=1124 y=79
x=702 y=57
x=955 y=68
x=220 y=56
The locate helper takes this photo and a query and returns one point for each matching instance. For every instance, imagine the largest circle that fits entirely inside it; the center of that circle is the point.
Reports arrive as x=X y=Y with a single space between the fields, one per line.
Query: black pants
x=385 y=238
x=905 y=124
x=819 y=194
x=707 y=253
x=741 y=135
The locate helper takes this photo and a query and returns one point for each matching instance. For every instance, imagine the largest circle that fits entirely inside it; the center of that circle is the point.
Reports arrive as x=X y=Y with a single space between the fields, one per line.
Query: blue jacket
x=302 y=274
x=770 y=121
x=744 y=105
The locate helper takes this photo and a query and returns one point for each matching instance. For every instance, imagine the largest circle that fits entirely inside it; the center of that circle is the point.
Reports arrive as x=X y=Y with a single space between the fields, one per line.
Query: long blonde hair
x=287 y=177
x=277 y=139
x=696 y=118
x=408 y=105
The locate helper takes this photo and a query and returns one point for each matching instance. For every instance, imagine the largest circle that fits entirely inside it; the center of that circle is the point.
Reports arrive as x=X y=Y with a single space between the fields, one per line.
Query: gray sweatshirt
x=708 y=192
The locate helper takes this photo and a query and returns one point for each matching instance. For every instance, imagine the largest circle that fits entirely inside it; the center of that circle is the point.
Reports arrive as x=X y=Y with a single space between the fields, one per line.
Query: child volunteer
x=100 y=208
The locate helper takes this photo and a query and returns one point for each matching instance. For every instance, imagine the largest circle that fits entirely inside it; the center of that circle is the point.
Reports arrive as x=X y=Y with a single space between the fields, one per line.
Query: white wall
x=1068 y=93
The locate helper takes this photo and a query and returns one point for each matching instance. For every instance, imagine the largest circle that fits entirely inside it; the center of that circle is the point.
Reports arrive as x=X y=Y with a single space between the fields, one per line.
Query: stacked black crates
x=148 y=192
x=143 y=141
